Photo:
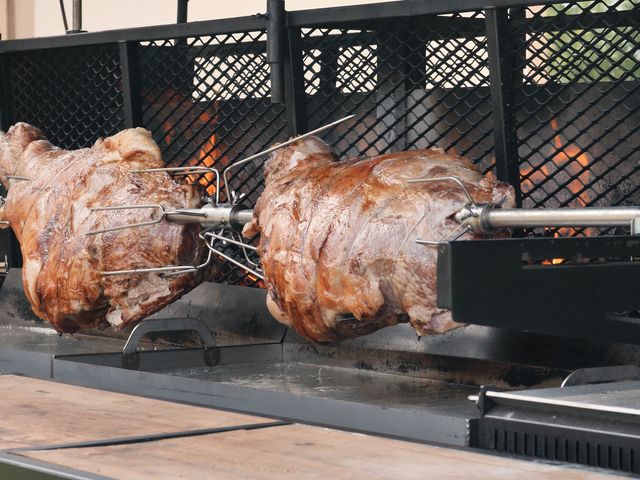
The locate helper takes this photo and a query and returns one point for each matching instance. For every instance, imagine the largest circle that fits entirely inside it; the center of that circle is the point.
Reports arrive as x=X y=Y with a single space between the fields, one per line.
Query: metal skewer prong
x=231 y=195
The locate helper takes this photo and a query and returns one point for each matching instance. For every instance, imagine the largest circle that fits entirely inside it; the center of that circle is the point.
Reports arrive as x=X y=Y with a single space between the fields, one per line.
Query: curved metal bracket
x=616 y=373
x=130 y=354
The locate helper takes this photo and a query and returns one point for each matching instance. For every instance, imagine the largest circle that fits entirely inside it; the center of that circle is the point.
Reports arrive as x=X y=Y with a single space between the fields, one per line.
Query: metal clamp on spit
x=488 y=218
x=4 y=265
x=222 y=222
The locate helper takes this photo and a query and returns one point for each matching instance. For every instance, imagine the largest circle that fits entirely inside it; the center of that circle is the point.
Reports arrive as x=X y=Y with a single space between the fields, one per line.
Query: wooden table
x=112 y=435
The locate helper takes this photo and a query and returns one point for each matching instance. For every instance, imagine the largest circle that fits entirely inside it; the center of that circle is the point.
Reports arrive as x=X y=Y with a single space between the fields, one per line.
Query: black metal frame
x=287 y=41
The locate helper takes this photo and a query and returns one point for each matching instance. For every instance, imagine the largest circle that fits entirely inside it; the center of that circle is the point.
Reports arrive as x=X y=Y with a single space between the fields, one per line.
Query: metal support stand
x=294 y=85
x=501 y=73
x=76 y=18
x=129 y=352
x=183 y=11
x=276 y=48
x=130 y=84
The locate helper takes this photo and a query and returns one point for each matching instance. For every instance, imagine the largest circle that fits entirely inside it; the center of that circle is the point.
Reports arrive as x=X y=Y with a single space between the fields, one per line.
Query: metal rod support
x=560 y=217
x=64 y=16
x=500 y=56
x=276 y=48
x=183 y=11
x=77 y=16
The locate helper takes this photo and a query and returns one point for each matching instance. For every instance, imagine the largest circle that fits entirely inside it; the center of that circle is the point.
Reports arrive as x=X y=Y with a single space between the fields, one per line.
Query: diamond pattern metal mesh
x=578 y=102
x=412 y=84
x=207 y=102
x=72 y=94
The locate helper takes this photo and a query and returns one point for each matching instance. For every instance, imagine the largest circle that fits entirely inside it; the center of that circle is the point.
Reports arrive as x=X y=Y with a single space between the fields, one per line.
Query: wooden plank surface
x=298 y=452
x=40 y=412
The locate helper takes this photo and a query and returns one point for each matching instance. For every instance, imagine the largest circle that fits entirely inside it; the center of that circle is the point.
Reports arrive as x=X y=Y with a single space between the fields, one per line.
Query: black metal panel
x=517 y=285
x=5 y=104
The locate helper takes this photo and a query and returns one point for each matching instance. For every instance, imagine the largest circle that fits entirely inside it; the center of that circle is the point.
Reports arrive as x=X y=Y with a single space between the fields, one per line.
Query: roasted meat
x=51 y=215
x=338 y=239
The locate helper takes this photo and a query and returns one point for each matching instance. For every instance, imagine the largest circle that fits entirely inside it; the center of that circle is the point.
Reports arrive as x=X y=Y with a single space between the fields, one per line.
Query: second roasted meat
x=338 y=239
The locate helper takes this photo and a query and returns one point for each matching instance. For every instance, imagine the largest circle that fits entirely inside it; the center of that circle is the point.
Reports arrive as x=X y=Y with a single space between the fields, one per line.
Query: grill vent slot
x=560 y=445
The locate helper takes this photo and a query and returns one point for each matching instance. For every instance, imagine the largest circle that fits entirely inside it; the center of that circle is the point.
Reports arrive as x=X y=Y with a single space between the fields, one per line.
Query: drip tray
x=265 y=379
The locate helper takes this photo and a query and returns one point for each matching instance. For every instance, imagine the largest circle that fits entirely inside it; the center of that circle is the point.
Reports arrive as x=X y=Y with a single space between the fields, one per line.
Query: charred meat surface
x=51 y=216
x=338 y=239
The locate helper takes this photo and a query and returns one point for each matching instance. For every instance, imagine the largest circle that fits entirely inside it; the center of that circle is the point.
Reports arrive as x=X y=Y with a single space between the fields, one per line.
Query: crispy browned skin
x=338 y=240
x=50 y=215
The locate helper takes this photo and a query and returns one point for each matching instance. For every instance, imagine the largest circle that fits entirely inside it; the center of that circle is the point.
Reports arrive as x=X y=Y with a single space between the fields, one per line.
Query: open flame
x=576 y=163
x=209 y=154
x=568 y=161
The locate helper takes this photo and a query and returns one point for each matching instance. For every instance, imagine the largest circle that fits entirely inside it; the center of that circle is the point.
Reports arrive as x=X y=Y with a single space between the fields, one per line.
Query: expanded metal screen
x=413 y=84
x=74 y=95
x=207 y=102
x=544 y=96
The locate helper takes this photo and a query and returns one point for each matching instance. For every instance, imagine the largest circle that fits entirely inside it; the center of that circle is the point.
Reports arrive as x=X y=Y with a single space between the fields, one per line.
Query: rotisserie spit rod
x=209 y=215
x=488 y=218
x=481 y=218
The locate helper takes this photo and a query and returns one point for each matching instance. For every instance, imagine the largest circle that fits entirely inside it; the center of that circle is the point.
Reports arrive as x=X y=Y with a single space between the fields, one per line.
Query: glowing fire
x=209 y=154
x=573 y=162
x=190 y=124
x=578 y=165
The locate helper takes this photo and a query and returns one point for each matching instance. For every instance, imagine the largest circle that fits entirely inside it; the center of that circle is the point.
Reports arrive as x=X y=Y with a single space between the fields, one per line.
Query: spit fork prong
x=159 y=208
x=455 y=180
x=231 y=196
x=463 y=228
x=454 y=235
x=18 y=177
x=185 y=171
x=218 y=236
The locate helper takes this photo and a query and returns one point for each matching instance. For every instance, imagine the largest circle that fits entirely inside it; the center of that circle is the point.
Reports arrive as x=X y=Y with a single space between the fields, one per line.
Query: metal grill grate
x=577 y=104
x=413 y=84
x=73 y=94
